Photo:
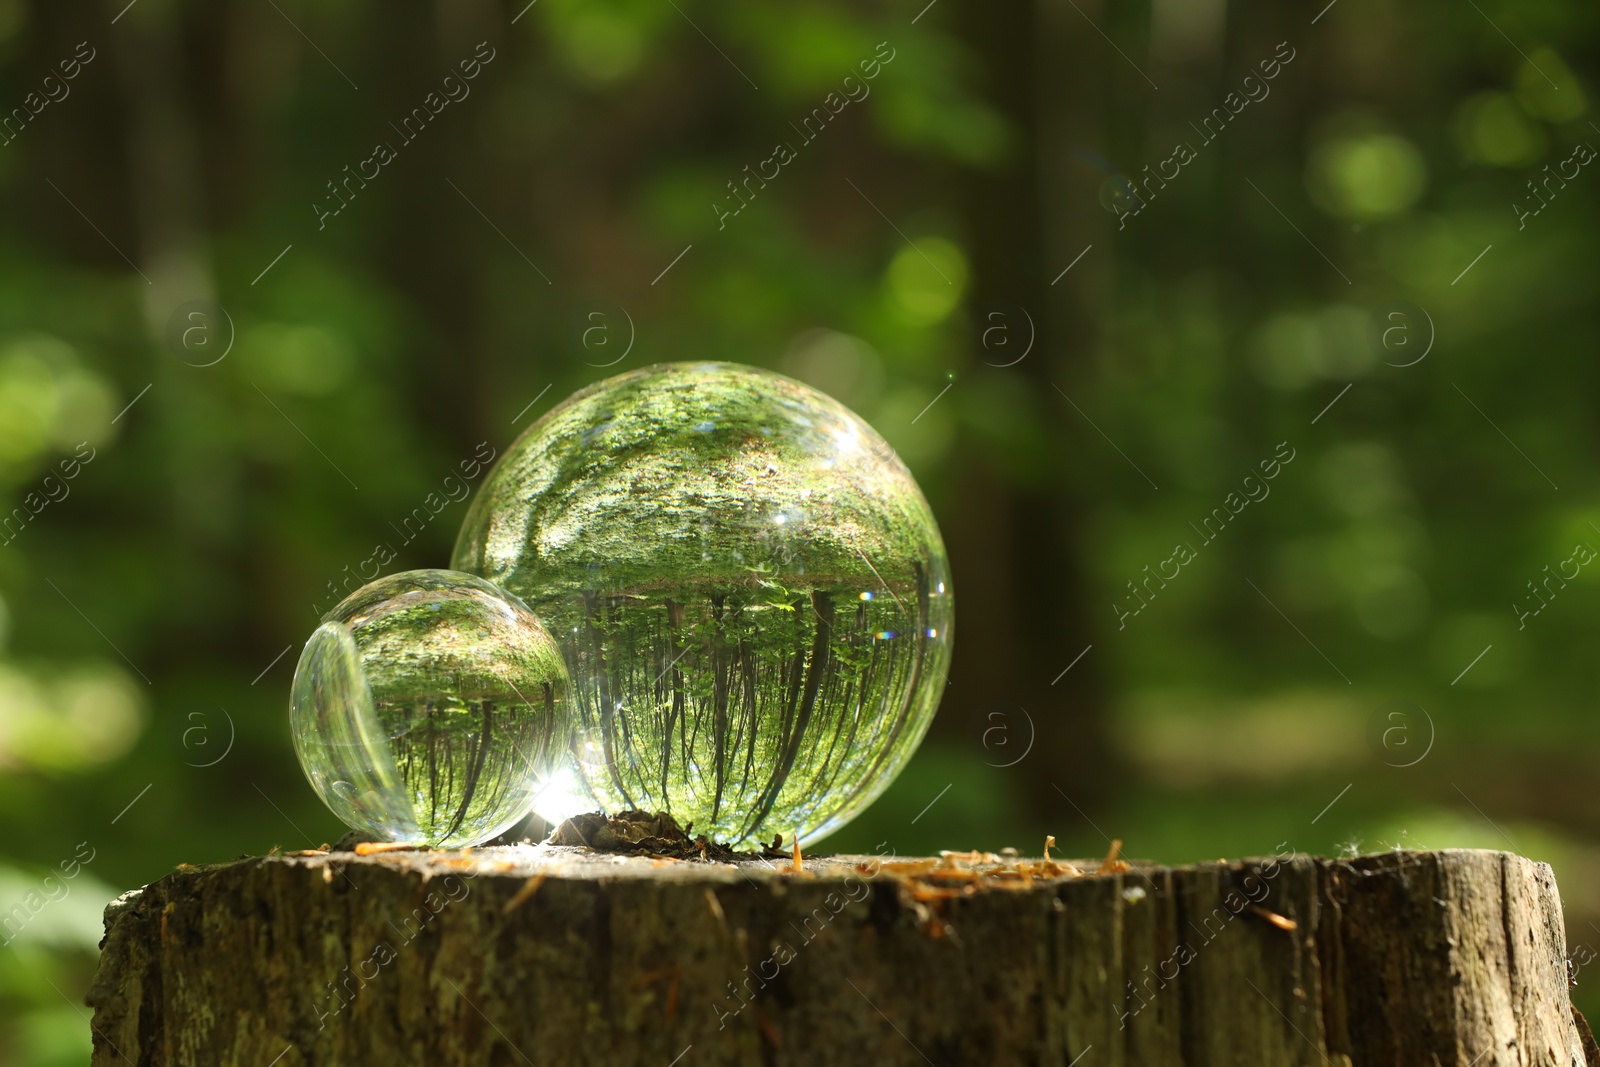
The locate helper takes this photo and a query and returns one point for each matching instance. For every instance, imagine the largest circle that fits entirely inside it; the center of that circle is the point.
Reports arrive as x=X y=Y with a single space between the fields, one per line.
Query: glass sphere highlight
x=750 y=591
x=430 y=707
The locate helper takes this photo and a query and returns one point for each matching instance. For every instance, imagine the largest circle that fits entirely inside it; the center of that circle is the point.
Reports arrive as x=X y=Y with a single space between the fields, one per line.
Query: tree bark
x=562 y=956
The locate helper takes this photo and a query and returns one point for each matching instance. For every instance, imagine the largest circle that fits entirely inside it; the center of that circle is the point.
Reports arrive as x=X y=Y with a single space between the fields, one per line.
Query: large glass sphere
x=430 y=707
x=749 y=588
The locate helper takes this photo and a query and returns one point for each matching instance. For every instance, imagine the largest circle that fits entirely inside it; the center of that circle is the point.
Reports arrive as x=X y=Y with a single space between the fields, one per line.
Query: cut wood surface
x=553 y=955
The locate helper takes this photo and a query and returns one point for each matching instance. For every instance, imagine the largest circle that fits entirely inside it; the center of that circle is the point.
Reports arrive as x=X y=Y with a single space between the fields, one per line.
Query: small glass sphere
x=430 y=707
x=749 y=588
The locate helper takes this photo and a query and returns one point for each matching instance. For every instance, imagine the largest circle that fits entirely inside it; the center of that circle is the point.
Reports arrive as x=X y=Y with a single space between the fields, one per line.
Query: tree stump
x=554 y=956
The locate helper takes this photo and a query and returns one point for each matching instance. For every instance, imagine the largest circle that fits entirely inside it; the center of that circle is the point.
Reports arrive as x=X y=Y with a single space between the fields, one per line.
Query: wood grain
x=558 y=956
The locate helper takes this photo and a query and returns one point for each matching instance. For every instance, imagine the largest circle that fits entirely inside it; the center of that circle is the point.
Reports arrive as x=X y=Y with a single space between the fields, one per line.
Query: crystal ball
x=430 y=707
x=749 y=588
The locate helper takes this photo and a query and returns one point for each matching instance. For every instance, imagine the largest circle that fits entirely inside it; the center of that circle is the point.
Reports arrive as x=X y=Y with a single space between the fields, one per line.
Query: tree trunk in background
x=171 y=212
x=1017 y=534
x=561 y=956
x=445 y=256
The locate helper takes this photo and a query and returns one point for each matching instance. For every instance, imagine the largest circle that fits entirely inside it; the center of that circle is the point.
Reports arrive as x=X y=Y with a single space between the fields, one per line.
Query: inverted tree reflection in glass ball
x=750 y=591
x=430 y=707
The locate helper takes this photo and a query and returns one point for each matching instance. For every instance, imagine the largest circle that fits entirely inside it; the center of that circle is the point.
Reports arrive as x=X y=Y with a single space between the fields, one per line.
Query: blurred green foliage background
x=1388 y=648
